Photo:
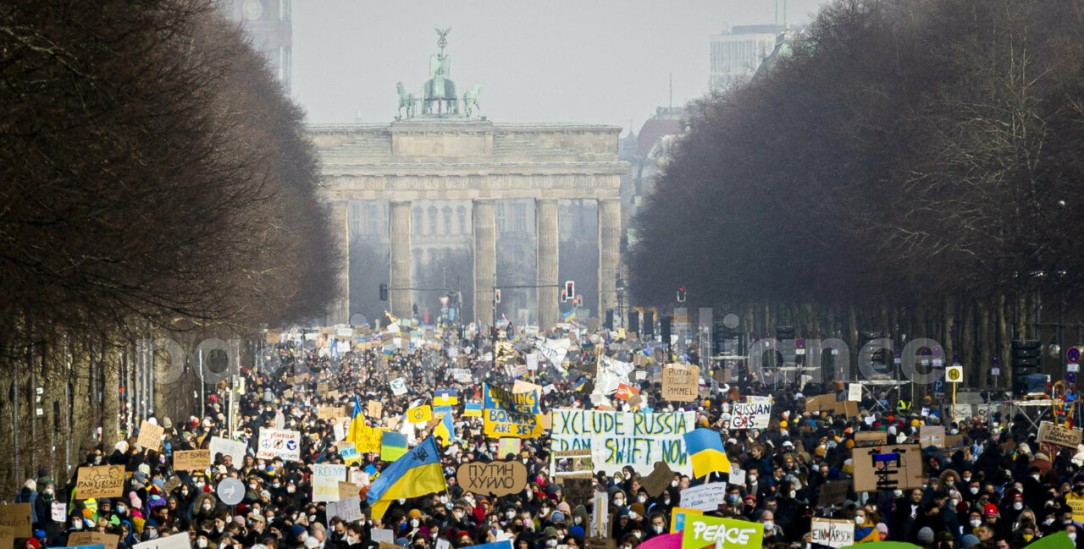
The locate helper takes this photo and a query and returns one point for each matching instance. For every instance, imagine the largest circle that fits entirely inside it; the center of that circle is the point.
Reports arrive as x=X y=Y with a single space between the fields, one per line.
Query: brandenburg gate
x=446 y=152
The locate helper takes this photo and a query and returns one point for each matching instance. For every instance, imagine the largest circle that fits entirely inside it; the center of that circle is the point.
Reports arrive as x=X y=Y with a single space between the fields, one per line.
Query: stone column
x=340 y=227
x=484 y=218
x=609 y=253
x=400 y=299
x=549 y=312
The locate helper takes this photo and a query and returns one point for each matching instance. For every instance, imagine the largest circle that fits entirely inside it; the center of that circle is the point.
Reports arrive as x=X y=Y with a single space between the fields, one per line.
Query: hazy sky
x=583 y=61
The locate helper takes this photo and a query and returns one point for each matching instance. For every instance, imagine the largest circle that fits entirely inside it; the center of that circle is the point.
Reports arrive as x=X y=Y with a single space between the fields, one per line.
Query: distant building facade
x=737 y=53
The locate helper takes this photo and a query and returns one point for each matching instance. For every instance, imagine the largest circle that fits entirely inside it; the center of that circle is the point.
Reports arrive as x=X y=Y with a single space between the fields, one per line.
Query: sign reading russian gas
x=617 y=439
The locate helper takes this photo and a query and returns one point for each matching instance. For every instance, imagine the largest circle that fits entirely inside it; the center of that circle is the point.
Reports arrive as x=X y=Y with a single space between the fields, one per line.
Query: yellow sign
x=954 y=374
x=1077 y=505
x=420 y=414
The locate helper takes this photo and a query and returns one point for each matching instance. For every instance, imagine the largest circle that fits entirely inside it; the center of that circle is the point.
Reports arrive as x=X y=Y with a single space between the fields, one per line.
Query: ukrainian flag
x=569 y=315
x=393 y=445
x=445 y=397
x=445 y=430
x=705 y=448
x=415 y=474
x=357 y=422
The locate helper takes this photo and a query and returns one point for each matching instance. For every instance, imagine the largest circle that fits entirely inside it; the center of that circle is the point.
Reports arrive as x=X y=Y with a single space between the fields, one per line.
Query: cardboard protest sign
x=702 y=532
x=279 y=443
x=932 y=435
x=106 y=481
x=17 y=516
x=150 y=435
x=680 y=383
x=374 y=409
x=348 y=490
x=176 y=541
x=1056 y=434
x=821 y=402
x=599 y=543
x=7 y=537
x=750 y=415
x=325 y=481
x=833 y=533
x=834 y=492
x=193 y=460
x=954 y=441
x=233 y=448
x=706 y=497
x=109 y=541
x=866 y=439
x=658 y=480
x=887 y=467
x=496 y=478
x=578 y=490
x=521 y=386
x=619 y=439
x=845 y=408
x=330 y=412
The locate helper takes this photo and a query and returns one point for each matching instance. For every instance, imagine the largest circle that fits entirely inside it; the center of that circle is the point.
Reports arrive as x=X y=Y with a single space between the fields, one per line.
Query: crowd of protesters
x=999 y=488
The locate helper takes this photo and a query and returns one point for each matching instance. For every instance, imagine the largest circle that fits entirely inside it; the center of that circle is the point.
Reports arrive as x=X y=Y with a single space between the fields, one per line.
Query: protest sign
x=931 y=435
x=349 y=453
x=571 y=464
x=106 y=481
x=617 y=439
x=833 y=533
x=398 y=386
x=461 y=375
x=348 y=490
x=496 y=478
x=374 y=409
x=680 y=383
x=678 y=516
x=1056 y=434
x=77 y=539
x=233 y=448
x=599 y=543
x=383 y=535
x=1077 y=505
x=368 y=439
x=419 y=414
x=888 y=467
x=865 y=439
x=954 y=441
x=329 y=412
x=507 y=414
x=521 y=386
x=834 y=492
x=348 y=509
x=658 y=480
x=507 y=446
x=150 y=435
x=17 y=516
x=325 y=481
x=845 y=408
x=706 y=497
x=192 y=460
x=625 y=392
x=750 y=415
x=578 y=490
x=58 y=511
x=854 y=392
x=737 y=476
x=703 y=531
x=176 y=541
x=821 y=402
x=279 y=443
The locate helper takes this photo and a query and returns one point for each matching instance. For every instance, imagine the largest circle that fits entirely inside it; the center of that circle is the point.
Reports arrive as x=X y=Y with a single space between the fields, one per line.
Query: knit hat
x=296 y=530
x=414 y=513
x=557 y=517
x=549 y=532
x=31 y=485
x=925 y=534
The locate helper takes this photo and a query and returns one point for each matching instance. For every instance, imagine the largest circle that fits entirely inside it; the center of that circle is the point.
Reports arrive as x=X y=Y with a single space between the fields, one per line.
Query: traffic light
x=570 y=289
x=608 y=321
x=634 y=321
x=681 y=294
x=495 y=333
x=649 y=323
x=383 y=292
x=1027 y=376
x=497 y=295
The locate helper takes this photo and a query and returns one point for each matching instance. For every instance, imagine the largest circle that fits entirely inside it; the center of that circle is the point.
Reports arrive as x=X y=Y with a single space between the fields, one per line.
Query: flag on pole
x=415 y=474
x=705 y=449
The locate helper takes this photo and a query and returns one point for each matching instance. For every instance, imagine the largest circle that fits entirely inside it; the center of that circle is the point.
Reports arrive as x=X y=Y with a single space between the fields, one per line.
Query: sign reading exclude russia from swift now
x=702 y=531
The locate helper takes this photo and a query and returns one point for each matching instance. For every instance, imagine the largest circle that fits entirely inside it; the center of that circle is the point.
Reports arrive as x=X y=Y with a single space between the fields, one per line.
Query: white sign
x=854 y=392
x=398 y=386
x=532 y=361
x=461 y=375
x=737 y=476
x=233 y=448
x=617 y=439
x=750 y=415
x=348 y=509
x=176 y=541
x=833 y=533
x=325 y=481
x=383 y=535
x=706 y=497
x=279 y=443
x=59 y=511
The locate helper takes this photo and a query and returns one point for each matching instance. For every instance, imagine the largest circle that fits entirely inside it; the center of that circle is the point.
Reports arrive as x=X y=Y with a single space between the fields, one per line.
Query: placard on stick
x=658 y=480
x=866 y=439
x=497 y=478
x=191 y=460
x=833 y=492
x=106 y=481
x=887 y=467
x=680 y=383
x=150 y=435
x=1056 y=434
x=17 y=517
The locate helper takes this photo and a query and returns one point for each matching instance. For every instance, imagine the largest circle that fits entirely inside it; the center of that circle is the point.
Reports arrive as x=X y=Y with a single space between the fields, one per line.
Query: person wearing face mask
x=656 y=525
x=772 y=531
x=548 y=539
x=865 y=530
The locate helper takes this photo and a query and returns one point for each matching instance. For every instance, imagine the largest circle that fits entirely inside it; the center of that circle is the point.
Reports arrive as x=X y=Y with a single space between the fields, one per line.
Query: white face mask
x=414 y=523
x=633 y=515
x=897 y=493
x=975 y=523
x=674 y=483
x=350 y=540
x=641 y=499
x=617 y=501
x=206 y=506
x=1072 y=537
x=551 y=543
x=201 y=542
x=510 y=515
x=793 y=494
x=974 y=490
x=657 y=528
x=859 y=520
x=768 y=525
x=1017 y=505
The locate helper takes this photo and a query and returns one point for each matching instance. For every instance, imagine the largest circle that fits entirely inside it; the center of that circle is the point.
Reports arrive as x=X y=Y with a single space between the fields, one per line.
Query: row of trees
x=911 y=168
x=154 y=179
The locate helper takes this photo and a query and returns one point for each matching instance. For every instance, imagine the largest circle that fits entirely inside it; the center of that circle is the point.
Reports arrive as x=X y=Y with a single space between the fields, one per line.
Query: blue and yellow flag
x=445 y=397
x=416 y=474
x=393 y=445
x=445 y=430
x=357 y=422
x=705 y=448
